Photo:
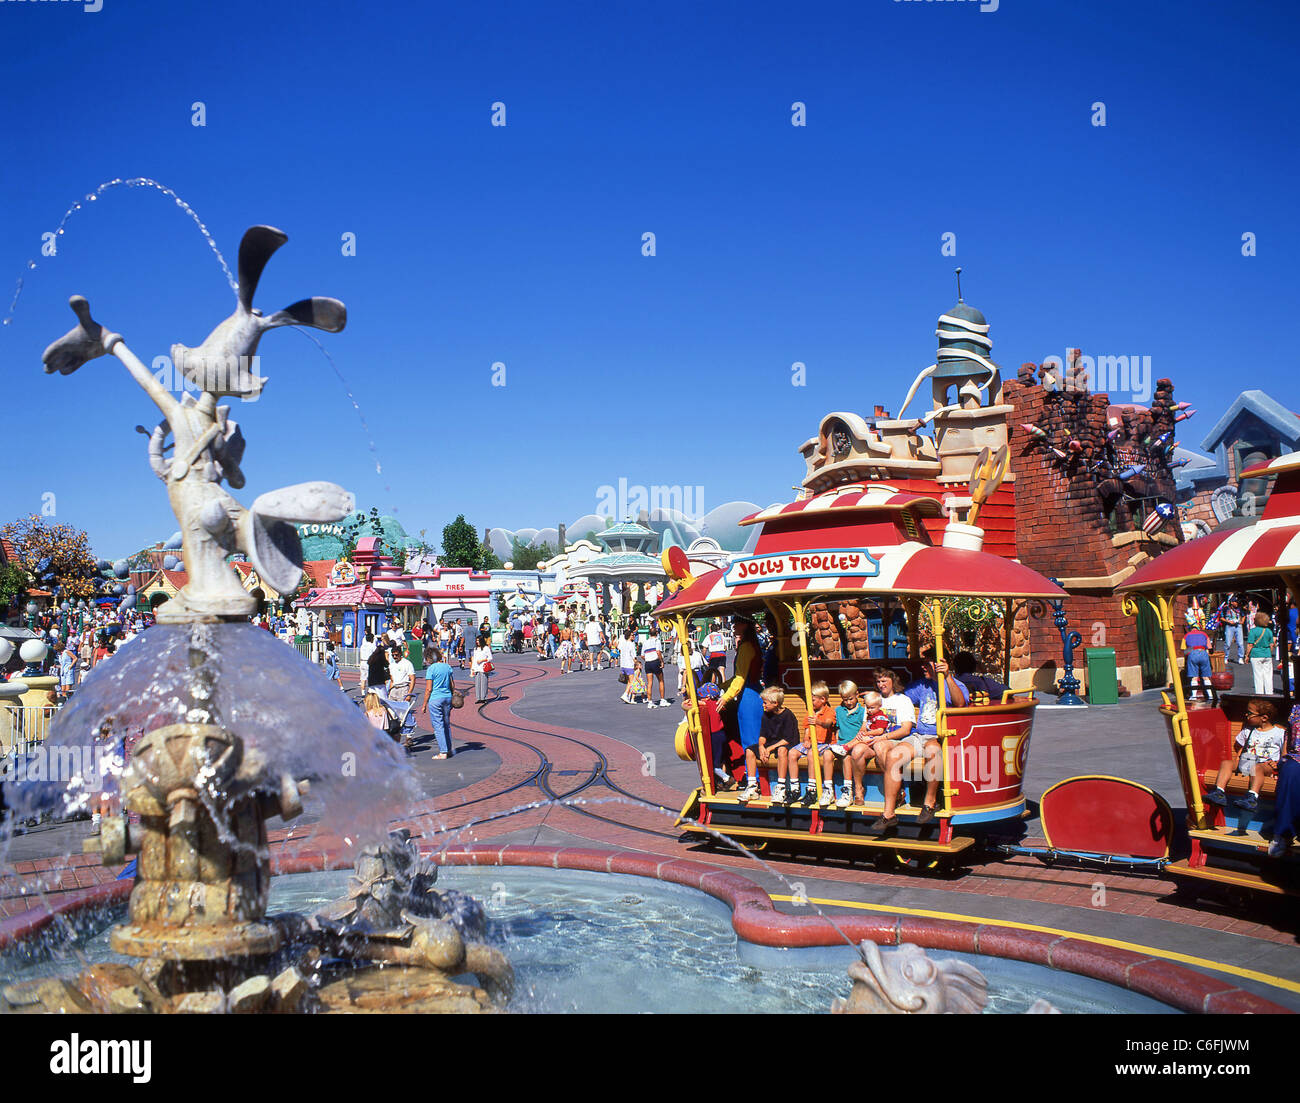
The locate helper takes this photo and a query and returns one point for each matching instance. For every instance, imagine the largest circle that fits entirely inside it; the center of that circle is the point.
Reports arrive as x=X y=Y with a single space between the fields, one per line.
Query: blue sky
x=523 y=244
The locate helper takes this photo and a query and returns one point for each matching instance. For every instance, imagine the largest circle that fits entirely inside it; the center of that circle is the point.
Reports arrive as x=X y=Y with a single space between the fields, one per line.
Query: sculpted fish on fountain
x=201 y=794
x=905 y=981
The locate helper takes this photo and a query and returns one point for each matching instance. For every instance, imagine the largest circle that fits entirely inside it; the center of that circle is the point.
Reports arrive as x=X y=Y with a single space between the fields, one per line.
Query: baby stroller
x=401 y=716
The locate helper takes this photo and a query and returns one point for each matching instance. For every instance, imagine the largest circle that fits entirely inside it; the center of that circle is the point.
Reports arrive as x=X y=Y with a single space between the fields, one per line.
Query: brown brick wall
x=1061 y=527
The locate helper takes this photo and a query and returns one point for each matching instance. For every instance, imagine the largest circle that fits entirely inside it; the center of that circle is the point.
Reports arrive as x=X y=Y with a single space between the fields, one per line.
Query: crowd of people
x=389 y=678
x=76 y=643
x=1245 y=629
x=744 y=716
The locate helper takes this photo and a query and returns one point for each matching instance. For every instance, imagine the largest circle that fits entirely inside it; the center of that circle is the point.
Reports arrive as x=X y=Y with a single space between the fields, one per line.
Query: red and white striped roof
x=837 y=556
x=347 y=596
x=857 y=496
x=1289 y=462
x=1269 y=546
x=1264 y=548
x=911 y=568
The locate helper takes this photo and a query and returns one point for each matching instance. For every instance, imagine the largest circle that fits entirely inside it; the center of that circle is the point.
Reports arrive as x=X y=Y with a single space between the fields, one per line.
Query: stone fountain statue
x=904 y=981
x=201 y=796
x=208 y=445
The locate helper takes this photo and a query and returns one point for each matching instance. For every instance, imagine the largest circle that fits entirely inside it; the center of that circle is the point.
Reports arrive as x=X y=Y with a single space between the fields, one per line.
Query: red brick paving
x=450 y=819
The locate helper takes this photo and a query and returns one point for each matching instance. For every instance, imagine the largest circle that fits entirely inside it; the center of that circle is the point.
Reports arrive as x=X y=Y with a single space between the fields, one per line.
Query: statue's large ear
x=274 y=548
x=256 y=248
x=319 y=313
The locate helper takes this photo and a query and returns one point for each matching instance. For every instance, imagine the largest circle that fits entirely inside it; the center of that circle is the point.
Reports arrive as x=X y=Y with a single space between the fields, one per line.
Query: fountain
x=220 y=706
x=216 y=758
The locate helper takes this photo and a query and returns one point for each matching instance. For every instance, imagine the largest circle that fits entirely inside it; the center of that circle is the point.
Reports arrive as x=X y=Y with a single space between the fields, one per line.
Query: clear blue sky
x=522 y=244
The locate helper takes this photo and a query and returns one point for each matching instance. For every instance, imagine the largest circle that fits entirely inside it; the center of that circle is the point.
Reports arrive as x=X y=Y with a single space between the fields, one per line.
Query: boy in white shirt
x=1261 y=742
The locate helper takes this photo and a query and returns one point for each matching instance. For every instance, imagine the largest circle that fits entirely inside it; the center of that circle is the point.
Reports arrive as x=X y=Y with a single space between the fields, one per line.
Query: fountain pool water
x=611 y=943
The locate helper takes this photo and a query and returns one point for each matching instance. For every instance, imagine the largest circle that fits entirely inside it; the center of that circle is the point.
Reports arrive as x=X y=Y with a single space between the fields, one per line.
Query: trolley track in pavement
x=542 y=774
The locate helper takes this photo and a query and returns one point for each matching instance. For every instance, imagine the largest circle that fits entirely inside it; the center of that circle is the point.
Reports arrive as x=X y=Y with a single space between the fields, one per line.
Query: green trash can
x=1103 y=683
x=415 y=652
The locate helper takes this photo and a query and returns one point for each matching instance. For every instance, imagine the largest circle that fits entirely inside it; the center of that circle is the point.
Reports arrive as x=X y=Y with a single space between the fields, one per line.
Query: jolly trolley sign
x=783 y=566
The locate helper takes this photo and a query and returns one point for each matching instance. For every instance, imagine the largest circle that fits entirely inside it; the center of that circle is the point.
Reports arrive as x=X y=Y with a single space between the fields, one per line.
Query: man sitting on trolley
x=894 y=755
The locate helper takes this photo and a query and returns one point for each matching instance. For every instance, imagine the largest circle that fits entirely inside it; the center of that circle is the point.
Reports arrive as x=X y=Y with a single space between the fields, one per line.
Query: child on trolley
x=777 y=735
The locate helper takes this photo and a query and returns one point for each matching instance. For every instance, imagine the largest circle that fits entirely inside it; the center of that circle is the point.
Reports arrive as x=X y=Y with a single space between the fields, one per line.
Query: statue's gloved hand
x=87 y=341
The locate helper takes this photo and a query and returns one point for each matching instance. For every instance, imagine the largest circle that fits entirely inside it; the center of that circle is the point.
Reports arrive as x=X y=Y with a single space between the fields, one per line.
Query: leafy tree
x=526 y=558
x=53 y=555
x=488 y=559
x=14 y=582
x=460 y=545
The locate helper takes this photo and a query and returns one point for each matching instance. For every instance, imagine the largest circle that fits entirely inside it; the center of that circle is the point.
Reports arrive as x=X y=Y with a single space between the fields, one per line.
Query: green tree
x=14 y=582
x=460 y=545
x=526 y=558
x=363 y=524
x=488 y=559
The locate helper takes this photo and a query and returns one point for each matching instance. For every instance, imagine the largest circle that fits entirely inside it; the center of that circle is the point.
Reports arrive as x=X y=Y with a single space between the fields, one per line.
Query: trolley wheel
x=916 y=863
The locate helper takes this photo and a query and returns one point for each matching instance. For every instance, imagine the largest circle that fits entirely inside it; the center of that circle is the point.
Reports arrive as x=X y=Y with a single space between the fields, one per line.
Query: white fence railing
x=24 y=724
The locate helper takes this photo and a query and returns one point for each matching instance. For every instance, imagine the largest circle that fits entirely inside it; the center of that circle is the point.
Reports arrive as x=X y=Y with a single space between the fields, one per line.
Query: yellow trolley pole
x=941 y=720
x=1007 y=622
x=797 y=610
x=1162 y=606
x=693 y=724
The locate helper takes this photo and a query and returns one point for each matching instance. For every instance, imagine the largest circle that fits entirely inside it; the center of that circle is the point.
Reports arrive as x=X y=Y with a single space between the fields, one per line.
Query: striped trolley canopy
x=862 y=539
x=1268 y=548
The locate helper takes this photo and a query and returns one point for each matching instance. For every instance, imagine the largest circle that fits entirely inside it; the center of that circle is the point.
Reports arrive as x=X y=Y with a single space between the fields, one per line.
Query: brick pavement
x=486 y=807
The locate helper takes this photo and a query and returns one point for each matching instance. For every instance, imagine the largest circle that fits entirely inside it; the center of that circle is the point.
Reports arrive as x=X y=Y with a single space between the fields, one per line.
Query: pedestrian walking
x=1259 y=647
x=481 y=668
x=439 y=688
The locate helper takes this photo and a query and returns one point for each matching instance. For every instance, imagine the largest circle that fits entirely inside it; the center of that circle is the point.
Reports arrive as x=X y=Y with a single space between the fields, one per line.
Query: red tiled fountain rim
x=755 y=919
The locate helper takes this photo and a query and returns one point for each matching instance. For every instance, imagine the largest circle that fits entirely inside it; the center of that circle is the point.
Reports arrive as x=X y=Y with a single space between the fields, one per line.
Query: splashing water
x=347 y=388
x=281 y=705
x=145 y=182
x=91 y=197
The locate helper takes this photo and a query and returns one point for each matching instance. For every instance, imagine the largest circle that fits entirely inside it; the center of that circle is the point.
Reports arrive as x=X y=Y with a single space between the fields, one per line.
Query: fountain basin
x=751 y=939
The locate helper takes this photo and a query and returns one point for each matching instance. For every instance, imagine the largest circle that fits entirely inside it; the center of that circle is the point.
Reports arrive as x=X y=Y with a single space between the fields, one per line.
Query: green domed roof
x=968 y=313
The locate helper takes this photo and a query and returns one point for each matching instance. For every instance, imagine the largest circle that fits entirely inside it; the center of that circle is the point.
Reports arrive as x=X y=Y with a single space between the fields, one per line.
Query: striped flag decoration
x=1159 y=517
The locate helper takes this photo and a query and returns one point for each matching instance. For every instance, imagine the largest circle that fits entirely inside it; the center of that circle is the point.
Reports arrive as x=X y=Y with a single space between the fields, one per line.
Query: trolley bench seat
x=1213 y=740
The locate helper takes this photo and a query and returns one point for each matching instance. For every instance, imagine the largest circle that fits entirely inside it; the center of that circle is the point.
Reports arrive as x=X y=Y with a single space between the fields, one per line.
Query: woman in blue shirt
x=438 y=688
